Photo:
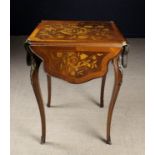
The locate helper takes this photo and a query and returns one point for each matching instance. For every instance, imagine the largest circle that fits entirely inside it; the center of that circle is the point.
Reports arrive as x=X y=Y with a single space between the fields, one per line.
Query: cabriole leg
x=49 y=90
x=102 y=91
x=117 y=84
x=36 y=88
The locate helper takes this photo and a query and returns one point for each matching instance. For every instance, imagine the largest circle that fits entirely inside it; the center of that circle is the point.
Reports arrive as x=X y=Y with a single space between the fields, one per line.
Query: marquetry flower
x=52 y=32
x=83 y=56
x=59 y=54
x=82 y=36
x=66 y=31
x=99 y=54
x=94 y=57
x=72 y=59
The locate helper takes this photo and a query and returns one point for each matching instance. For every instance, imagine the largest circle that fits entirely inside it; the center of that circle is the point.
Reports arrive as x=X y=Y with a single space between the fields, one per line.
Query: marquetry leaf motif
x=76 y=64
x=75 y=31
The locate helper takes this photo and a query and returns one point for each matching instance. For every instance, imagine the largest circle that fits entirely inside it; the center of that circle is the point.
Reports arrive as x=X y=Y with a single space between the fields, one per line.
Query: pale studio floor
x=75 y=124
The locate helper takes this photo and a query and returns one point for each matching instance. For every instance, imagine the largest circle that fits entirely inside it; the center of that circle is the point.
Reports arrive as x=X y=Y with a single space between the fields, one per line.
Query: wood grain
x=75 y=66
x=76 y=51
x=77 y=32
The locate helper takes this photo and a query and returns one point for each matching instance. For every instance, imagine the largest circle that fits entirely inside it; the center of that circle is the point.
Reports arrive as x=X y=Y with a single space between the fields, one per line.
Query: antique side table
x=76 y=51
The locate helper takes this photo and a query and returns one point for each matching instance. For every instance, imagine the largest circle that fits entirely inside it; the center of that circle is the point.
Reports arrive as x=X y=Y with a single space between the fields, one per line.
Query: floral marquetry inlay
x=75 y=31
x=76 y=51
x=76 y=64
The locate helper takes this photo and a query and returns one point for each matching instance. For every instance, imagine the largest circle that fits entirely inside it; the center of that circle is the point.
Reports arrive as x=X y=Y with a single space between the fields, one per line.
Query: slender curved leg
x=35 y=84
x=117 y=84
x=49 y=90
x=102 y=91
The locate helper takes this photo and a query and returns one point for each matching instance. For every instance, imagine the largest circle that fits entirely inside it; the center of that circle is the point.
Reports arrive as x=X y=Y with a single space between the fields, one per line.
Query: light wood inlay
x=76 y=51
x=75 y=66
x=77 y=32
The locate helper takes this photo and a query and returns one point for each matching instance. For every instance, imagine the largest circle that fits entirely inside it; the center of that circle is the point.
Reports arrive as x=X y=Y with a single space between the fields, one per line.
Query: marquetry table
x=76 y=51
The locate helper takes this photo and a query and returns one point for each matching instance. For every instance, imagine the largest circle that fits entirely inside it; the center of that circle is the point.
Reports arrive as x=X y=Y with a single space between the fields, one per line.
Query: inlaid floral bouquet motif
x=77 y=64
x=78 y=31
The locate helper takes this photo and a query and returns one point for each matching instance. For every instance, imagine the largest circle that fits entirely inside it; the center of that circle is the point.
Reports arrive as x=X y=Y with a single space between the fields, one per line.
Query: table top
x=76 y=51
x=100 y=33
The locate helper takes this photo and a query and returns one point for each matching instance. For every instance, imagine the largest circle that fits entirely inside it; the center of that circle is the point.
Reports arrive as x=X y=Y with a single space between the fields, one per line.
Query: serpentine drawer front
x=76 y=51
